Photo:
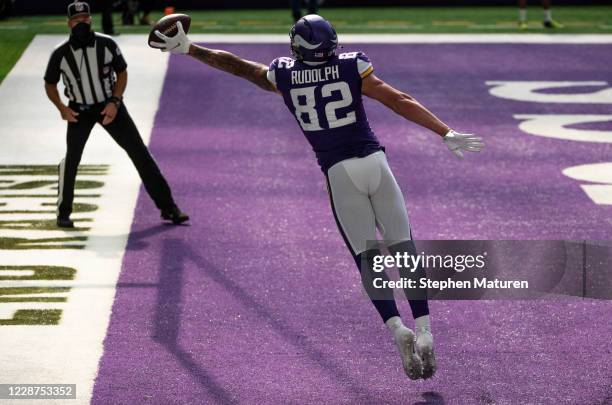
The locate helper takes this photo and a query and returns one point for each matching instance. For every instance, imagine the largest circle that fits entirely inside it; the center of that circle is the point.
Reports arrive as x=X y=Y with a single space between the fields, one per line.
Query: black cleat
x=175 y=215
x=65 y=222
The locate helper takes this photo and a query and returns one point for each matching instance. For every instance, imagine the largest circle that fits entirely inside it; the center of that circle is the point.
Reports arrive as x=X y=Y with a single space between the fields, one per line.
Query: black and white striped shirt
x=88 y=73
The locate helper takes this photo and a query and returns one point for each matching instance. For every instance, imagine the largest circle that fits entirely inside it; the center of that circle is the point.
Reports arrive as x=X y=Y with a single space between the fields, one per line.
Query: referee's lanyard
x=84 y=58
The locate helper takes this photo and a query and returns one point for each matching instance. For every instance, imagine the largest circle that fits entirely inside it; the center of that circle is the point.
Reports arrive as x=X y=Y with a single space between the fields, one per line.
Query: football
x=167 y=26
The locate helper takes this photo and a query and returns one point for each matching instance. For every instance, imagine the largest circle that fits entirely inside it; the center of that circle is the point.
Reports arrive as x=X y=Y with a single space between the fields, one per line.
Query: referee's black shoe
x=175 y=215
x=65 y=222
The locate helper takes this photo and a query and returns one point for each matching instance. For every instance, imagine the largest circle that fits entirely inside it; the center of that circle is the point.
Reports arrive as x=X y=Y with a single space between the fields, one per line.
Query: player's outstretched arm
x=222 y=60
x=228 y=62
x=409 y=108
x=403 y=104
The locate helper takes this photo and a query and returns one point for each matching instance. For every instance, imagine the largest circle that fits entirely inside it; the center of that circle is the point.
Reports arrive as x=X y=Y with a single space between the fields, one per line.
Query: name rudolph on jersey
x=315 y=75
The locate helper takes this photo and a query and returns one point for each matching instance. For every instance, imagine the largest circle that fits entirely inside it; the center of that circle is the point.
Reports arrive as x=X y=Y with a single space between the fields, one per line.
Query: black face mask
x=82 y=34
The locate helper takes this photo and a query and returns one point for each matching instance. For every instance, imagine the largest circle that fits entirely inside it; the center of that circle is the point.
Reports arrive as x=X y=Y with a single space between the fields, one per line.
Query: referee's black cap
x=78 y=7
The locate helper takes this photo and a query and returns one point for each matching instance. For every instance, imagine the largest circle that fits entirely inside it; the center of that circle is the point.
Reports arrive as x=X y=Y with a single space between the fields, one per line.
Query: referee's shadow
x=138 y=240
x=109 y=245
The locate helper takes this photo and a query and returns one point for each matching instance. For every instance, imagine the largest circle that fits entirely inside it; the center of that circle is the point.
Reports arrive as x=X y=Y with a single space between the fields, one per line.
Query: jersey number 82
x=307 y=106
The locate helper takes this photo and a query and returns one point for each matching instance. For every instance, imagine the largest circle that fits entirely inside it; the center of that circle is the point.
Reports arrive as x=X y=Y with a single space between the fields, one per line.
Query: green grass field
x=16 y=33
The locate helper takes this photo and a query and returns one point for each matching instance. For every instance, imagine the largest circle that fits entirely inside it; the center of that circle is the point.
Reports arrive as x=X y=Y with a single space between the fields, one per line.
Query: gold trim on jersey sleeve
x=367 y=72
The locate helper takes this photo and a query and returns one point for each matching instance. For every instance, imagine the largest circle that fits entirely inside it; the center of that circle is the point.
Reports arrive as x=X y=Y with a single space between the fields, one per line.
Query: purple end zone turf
x=258 y=300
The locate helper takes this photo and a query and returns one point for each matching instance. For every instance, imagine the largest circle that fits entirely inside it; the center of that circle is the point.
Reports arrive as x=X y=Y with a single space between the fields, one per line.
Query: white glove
x=176 y=44
x=457 y=142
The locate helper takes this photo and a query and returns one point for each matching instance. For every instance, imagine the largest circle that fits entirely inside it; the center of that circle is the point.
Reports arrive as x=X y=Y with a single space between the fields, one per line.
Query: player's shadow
x=175 y=255
x=431 y=398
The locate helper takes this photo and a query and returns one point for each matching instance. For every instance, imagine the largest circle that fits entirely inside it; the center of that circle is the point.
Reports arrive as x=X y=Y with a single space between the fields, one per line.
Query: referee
x=95 y=76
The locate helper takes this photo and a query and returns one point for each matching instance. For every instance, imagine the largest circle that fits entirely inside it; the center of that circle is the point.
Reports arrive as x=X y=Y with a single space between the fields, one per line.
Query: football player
x=548 y=20
x=323 y=91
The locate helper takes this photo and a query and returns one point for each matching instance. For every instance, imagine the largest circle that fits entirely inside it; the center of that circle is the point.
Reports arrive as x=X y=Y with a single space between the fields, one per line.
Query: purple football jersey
x=326 y=102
